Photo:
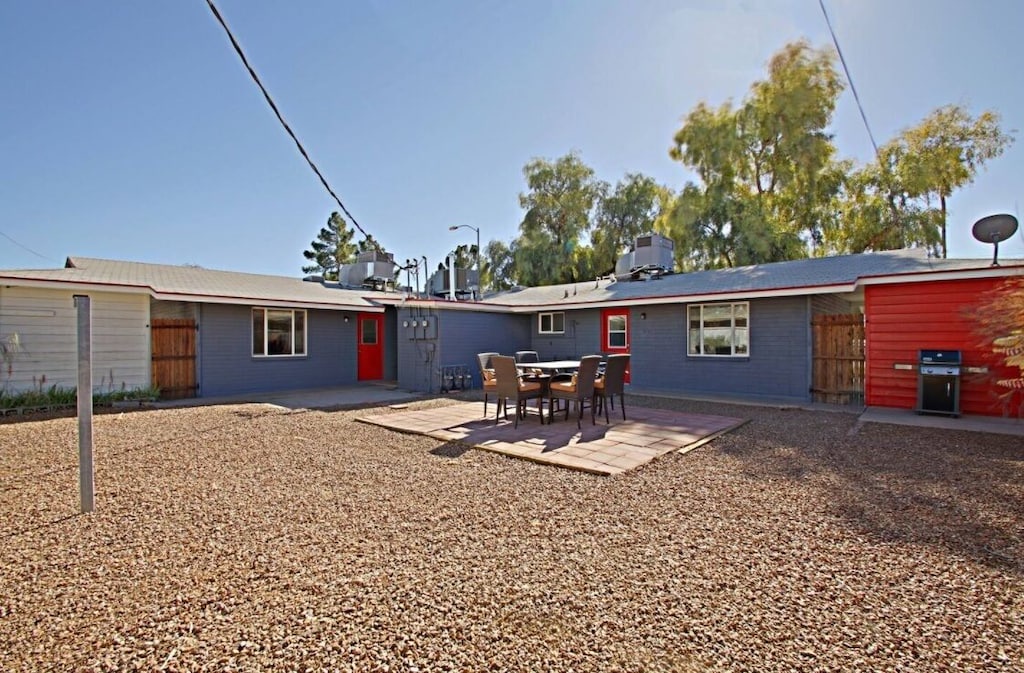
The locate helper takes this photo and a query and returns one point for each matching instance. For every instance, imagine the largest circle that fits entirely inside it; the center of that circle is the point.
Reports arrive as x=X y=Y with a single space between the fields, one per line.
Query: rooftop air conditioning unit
x=652 y=254
x=368 y=270
x=466 y=281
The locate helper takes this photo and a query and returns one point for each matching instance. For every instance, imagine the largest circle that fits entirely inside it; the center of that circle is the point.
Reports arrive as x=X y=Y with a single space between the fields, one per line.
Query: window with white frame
x=719 y=329
x=617 y=336
x=278 y=332
x=551 y=323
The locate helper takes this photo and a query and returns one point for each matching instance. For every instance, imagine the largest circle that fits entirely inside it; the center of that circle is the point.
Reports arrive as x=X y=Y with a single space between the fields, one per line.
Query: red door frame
x=606 y=315
x=370 y=355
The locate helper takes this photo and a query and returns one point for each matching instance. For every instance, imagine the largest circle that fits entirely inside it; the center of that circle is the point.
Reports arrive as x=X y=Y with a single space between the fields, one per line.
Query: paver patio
x=599 y=449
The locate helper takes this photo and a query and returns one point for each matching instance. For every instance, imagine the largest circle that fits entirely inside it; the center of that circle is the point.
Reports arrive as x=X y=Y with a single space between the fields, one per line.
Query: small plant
x=999 y=324
x=10 y=346
x=56 y=396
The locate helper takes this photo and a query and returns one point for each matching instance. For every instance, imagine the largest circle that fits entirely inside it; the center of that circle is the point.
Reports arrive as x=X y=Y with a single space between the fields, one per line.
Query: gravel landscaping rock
x=248 y=538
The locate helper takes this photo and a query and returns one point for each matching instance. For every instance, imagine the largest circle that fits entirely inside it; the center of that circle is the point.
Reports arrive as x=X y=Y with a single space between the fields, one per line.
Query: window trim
x=266 y=333
x=551 y=317
x=700 y=332
x=624 y=331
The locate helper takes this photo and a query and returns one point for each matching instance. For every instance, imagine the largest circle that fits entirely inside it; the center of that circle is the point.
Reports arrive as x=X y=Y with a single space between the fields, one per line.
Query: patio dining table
x=552 y=365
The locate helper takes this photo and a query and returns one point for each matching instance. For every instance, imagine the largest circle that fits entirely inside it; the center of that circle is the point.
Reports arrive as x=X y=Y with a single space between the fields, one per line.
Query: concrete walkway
x=596 y=448
x=311 y=398
x=993 y=424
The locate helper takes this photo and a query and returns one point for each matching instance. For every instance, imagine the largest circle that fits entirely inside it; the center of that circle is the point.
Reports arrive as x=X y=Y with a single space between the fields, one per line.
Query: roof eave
x=127 y=288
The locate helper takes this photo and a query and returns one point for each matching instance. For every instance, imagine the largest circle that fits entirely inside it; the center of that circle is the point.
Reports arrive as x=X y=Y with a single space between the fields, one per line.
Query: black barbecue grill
x=938 y=382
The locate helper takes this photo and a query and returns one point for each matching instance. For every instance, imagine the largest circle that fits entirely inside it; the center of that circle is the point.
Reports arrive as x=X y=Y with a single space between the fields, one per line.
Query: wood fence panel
x=174 y=357
x=838 y=359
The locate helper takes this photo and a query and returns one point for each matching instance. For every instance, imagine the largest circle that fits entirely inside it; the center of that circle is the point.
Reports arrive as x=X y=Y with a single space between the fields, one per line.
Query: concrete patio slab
x=599 y=449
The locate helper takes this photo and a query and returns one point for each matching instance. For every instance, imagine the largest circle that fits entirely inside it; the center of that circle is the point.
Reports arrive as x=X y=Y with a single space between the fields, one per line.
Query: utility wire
x=849 y=79
x=28 y=249
x=270 y=101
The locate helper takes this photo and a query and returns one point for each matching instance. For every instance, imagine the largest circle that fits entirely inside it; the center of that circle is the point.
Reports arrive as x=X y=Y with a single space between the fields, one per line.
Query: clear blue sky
x=130 y=130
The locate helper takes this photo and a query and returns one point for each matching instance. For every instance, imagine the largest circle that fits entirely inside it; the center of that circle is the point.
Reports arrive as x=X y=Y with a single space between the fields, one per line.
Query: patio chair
x=511 y=386
x=578 y=390
x=487 y=376
x=612 y=384
x=526 y=357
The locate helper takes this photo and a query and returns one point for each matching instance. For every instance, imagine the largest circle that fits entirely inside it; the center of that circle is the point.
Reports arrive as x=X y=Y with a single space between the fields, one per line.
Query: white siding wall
x=46 y=324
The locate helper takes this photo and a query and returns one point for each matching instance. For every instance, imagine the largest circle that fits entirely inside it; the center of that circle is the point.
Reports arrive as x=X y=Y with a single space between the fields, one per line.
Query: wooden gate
x=838 y=371
x=174 y=357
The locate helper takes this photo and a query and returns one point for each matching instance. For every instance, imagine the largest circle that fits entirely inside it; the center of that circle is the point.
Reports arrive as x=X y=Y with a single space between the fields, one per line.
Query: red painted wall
x=901 y=319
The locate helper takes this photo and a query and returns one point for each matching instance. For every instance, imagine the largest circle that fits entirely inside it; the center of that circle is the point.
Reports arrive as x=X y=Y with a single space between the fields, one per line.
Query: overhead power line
x=280 y=118
x=27 y=249
x=849 y=79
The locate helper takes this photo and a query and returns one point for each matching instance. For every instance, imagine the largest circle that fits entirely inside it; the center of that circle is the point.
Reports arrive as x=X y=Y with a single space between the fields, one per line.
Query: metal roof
x=189 y=283
x=806 y=276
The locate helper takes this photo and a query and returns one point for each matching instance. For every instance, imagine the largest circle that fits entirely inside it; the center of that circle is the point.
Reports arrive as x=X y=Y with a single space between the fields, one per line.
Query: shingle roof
x=810 y=275
x=197 y=284
x=805 y=276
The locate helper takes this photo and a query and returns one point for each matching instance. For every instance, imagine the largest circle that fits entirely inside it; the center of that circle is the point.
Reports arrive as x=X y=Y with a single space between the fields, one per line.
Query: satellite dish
x=993 y=229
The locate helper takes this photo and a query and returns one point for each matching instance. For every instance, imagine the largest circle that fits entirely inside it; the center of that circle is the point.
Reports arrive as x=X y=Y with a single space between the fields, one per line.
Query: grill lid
x=939 y=357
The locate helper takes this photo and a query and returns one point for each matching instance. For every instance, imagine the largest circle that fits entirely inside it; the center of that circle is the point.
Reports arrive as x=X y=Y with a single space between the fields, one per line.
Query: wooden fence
x=838 y=359
x=174 y=357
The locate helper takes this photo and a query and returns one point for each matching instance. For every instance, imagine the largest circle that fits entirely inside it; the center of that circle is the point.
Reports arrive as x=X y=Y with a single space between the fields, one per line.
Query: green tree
x=876 y=212
x=498 y=261
x=465 y=256
x=332 y=248
x=369 y=243
x=558 y=203
x=945 y=151
x=701 y=227
x=767 y=168
x=623 y=213
x=899 y=200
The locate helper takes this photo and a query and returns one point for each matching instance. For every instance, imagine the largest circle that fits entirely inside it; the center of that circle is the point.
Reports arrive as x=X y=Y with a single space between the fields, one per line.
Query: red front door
x=371 y=346
x=615 y=332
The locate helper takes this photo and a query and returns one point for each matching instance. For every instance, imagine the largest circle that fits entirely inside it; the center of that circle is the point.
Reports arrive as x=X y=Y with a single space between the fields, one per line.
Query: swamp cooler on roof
x=652 y=254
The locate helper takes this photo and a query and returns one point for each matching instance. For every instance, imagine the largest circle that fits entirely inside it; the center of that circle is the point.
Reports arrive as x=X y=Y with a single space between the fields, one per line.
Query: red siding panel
x=902 y=319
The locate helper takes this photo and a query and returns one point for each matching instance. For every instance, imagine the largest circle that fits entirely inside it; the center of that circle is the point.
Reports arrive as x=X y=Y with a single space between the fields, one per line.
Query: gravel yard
x=252 y=538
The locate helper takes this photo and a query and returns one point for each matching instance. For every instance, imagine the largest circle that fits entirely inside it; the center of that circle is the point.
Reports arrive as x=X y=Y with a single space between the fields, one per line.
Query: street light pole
x=477 y=230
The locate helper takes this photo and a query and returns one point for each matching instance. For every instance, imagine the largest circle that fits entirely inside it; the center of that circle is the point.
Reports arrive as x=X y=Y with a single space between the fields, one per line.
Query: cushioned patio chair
x=579 y=390
x=512 y=386
x=487 y=376
x=612 y=383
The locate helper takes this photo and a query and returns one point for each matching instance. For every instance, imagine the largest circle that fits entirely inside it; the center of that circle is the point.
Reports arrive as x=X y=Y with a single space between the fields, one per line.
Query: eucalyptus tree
x=498 y=261
x=623 y=213
x=900 y=199
x=767 y=170
x=945 y=151
x=560 y=196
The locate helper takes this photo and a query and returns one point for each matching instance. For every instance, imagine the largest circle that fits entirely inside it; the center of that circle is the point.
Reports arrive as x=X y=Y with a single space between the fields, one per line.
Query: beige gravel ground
x=251 y=538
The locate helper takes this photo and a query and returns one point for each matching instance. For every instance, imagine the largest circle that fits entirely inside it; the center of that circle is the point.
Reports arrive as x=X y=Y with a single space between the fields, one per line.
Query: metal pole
x=85 y=471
